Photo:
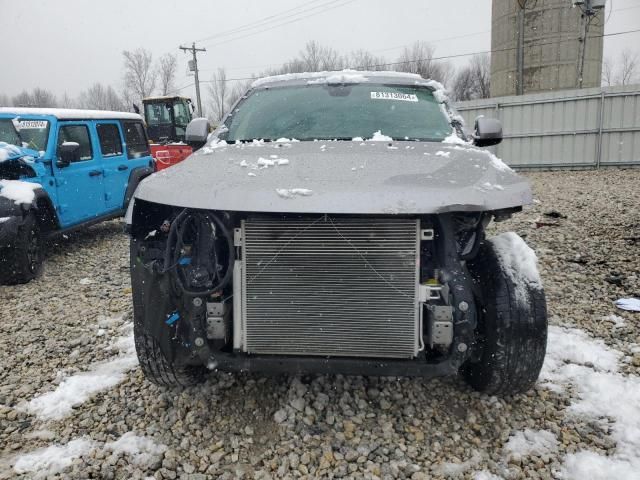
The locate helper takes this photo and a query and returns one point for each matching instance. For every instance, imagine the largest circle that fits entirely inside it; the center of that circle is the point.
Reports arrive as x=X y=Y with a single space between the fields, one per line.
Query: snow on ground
x=52 y=459
x=43 y=462
x=531 y=442
x=18 y=191
x=457 y=469
x=440 y=153
x=76 y=389
x=599 y=393
x=142 y=450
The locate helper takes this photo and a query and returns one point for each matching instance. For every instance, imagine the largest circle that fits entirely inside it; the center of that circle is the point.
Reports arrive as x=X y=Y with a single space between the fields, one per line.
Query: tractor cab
x=167 y=118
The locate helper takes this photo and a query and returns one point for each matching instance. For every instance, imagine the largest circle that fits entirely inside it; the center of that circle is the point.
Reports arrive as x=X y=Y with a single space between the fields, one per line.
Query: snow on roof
x=72 y=114
x=351 y=75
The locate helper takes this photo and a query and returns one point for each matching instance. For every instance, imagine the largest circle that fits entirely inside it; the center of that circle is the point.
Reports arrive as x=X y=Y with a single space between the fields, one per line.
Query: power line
x=287 y=22
x=459 y=55
x=258 y=23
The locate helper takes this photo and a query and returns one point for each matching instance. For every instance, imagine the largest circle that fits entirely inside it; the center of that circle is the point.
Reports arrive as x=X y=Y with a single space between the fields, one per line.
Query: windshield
x=157 y=113
x=310 y=112
x=8 y=132
x=33 y=133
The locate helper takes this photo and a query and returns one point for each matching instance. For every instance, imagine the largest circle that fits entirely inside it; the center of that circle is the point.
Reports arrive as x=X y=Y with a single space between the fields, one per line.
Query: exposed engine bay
x=238 y=291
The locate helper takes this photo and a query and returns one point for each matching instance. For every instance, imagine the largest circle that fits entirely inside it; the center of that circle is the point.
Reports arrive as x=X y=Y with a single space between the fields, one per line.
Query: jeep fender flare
x=135 y=177
x=42 y=206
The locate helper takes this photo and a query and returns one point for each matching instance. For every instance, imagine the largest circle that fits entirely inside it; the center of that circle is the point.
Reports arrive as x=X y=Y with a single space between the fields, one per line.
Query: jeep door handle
x=122 y=168
x=95 y=173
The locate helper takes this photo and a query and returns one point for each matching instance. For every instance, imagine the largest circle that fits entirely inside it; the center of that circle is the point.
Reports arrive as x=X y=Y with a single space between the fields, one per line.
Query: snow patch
x=629 y=304
x=292 y=192
x=77 y=389
x=379 y=137
x=616 y=320
x=519 y=262
x=18 y=191
x=4 y=219
x=440 y=153
x=52 y=459
x=321 y=75
x=455 y=139
x=600 y=393
x=7 y=150
x=453 y=469
x=142 y=450
x=346 y=76
x=531 y=442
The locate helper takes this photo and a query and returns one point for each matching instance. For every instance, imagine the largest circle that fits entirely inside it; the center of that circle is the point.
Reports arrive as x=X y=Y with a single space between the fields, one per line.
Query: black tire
x=22 y=261
x=512 y=335
x=155 y=366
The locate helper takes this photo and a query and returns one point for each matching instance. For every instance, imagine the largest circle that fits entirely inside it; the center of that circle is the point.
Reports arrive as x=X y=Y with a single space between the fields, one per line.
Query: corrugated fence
x=586 y=128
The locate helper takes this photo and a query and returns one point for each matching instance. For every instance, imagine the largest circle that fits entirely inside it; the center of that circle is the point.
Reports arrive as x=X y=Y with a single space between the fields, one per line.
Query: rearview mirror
x=197 y=133
x=487 y=132
x=68 y=152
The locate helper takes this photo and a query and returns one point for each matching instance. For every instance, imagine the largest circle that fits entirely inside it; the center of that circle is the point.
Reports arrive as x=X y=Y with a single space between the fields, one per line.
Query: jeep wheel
x=22 y=261
x=512 y=327
x=155 y=366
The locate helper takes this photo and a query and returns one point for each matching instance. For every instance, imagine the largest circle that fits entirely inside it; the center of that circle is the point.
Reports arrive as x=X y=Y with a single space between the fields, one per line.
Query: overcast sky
x=66 y=45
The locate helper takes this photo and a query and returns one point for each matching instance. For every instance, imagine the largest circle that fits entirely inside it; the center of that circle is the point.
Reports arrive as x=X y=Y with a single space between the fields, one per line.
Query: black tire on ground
x=512 y=333
x=155 y=366
x=22 y=261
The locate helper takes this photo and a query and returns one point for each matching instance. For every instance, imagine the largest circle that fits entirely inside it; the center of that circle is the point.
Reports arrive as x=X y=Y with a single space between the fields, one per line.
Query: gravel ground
x=69 y=333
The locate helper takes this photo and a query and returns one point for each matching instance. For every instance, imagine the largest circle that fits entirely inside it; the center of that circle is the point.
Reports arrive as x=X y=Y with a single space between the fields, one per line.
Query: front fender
x=135 y=177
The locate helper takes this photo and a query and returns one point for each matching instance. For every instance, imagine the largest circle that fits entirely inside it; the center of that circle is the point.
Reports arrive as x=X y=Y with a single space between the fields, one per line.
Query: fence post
x=600 y=124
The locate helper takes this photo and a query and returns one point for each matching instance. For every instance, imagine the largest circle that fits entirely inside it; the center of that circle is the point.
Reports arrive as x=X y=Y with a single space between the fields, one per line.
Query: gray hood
x=339 y=177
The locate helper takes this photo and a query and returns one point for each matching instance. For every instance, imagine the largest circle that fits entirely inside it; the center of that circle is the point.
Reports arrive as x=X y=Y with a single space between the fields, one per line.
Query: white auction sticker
x=405 y=97
x=28 y=124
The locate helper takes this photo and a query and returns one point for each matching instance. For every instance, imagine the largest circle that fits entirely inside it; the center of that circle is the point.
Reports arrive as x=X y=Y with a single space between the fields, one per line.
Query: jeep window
x=8 y=132
x=80 y=135
x=136 y=139
x=33 y=133
x=110 y=141
x=343 y=112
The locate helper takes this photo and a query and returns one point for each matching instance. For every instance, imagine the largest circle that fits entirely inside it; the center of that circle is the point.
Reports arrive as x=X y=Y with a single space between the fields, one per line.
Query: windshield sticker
x=405 y=97
x=28 y=124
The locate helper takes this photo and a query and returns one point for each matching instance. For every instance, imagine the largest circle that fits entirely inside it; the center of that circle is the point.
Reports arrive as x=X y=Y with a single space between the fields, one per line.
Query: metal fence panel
x=569 y=128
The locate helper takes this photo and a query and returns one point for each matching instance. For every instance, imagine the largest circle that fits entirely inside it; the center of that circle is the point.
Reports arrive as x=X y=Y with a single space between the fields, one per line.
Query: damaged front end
x=367 y=294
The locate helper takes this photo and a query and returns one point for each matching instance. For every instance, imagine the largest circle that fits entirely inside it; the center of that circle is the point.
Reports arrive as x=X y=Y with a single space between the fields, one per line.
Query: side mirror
x=487 y=132
x=68 y=152
x=197 y=133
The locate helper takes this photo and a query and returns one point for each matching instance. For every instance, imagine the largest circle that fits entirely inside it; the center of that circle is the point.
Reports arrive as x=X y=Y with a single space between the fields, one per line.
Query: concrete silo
x=550 y=32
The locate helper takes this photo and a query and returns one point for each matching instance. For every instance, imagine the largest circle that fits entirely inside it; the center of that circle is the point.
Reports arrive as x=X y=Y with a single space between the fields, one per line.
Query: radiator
x=324 y=286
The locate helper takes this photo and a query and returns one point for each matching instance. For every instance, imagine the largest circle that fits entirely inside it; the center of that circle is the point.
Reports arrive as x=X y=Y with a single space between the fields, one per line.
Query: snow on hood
x=9 y=151
x=18 y=191
x=339 y=177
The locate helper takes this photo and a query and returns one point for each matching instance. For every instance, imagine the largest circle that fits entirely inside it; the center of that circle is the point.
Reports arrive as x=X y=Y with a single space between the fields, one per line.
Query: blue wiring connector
x=173 y=318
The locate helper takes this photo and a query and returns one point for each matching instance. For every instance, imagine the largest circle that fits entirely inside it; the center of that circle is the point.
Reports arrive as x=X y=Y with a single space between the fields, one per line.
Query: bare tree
x=4 y=100
x=219 y=94
x=364 y=60
x=623 y=71
x=472 y=81
x=418 y=58
x=139 y=75
x=317 y=58
x=100 y=97
x=68 y=102
x=628 y=67
x=167 y=67
x=38 y=97
x=607 y=72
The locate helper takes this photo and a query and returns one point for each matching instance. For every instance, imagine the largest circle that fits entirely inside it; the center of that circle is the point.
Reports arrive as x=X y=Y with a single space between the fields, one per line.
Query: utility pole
x=589 y=9
x=520 y=49
x=194 y=52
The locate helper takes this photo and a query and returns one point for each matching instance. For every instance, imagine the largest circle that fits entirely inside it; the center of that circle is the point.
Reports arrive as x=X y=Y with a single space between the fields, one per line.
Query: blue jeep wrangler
x=61 y=170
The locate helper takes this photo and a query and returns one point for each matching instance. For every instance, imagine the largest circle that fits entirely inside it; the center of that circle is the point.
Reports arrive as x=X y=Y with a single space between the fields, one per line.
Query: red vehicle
x=167 y=119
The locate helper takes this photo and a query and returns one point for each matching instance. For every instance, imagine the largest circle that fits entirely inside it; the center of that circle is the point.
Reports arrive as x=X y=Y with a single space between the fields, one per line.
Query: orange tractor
x=167 y=119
